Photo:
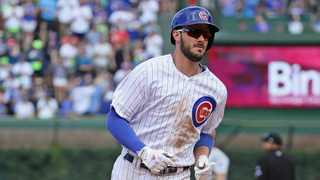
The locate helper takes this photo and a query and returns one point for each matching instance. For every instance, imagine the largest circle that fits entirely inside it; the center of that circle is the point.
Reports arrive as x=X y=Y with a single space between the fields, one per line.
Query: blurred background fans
x=60 y=61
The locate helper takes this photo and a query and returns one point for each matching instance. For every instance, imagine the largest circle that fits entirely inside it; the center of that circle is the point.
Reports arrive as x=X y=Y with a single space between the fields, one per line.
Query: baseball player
x=221 y=166
x=164 y=113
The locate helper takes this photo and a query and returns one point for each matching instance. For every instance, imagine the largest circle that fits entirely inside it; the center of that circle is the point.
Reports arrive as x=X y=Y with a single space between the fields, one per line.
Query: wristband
x=205 y=140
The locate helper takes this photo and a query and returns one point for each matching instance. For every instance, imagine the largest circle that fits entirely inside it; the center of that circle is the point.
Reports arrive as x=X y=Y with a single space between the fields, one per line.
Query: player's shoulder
x=211 y=74
x=156 y=60
x=214 y=78
x=152 y=65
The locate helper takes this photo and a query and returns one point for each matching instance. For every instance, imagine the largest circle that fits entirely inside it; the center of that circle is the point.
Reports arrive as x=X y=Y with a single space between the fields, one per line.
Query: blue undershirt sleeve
x=123 y=132
x=205 y=140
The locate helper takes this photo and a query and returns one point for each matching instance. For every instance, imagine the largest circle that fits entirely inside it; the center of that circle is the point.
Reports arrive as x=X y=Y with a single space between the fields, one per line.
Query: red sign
x=268 y=76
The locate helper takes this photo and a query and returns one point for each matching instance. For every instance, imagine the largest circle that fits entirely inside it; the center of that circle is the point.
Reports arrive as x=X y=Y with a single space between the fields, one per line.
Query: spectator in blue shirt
x=48 y=13
x=84 y=63
x=250 y=8
x=274 y=8
x=100 y=15
x=14 y=52
x=96 y=100
x=229 y=8
x=261 y=25
x=66 y=107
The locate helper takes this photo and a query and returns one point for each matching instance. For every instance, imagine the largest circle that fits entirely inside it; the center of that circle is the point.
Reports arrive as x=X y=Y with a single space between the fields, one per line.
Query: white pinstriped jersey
x=168 y=110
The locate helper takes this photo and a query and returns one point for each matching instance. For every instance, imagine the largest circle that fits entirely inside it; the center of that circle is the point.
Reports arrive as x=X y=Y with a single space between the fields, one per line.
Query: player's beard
x=186 y=50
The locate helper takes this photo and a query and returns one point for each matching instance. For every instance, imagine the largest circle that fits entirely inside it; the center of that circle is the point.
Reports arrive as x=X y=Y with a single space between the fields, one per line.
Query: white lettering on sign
x=285 y=80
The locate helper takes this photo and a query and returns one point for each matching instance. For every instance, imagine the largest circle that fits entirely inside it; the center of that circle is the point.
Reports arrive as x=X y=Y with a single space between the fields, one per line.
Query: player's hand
x=155 y=160
x=202 y=169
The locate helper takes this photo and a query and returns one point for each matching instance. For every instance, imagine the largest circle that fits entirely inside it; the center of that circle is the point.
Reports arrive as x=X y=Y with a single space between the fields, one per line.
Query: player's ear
x=176 y=35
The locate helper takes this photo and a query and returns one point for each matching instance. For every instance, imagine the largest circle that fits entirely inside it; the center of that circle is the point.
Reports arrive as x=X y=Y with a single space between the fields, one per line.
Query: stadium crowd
x=291 y=12
x=271 y=8
x=65 y=57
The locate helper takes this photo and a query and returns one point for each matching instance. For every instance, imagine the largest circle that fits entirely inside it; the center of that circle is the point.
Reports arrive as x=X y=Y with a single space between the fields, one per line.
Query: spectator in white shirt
x=295 y=26
x=103 y=54
x=5 y=68
x=82 y=16
x=13 y=15
x=149 y=11
x=122 y=17
x=47 y=107
x=23 y=71
x=81 y=97
x=153 y=44
x=68 y=52
x=64 y=14
x=24 y=109
x=121 y=73
x=10 y=82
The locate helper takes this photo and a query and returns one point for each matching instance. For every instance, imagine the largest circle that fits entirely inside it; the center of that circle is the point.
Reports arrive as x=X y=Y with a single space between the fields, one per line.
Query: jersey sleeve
x=130 y=94
x=217 y=115
x=261 y=169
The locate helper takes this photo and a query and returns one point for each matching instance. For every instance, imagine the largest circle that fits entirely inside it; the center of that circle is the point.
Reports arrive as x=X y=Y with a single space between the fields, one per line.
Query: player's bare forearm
x=202 y=150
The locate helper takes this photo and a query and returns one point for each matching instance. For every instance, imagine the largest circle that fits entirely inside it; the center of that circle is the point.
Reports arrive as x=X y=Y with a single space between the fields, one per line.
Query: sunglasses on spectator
x=196 y=33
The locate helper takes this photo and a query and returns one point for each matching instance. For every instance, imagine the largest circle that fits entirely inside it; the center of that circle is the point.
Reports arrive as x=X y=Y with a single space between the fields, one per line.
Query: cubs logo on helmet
x=203 y=15
x=202 y=109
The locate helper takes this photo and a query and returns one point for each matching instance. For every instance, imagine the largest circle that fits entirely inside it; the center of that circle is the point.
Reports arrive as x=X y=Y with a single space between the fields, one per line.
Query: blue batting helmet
x=194 y=15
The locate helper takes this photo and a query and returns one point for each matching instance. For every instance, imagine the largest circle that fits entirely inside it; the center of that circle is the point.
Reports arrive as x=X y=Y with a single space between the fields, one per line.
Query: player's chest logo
x=202 y=109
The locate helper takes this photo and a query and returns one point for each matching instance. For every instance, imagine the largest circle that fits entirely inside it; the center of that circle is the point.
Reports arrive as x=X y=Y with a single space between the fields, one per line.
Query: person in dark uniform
x=274 y=164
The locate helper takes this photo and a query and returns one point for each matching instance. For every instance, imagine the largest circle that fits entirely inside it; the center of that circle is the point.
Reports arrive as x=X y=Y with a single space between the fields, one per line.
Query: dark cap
x=272 y=138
